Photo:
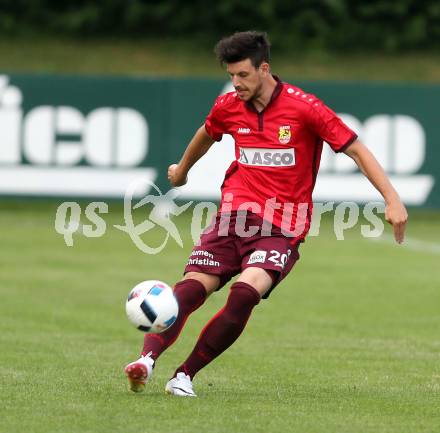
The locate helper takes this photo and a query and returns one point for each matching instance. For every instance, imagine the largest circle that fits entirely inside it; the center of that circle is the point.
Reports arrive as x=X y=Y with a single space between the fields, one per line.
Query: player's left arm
x=395 y=211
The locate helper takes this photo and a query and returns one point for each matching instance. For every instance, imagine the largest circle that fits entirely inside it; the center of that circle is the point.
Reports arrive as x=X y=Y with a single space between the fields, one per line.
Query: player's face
x=246 y=79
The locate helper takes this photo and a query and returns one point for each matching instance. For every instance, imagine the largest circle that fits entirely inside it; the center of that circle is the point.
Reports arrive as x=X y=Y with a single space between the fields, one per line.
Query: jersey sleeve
x=214 y=123
x=327 y=125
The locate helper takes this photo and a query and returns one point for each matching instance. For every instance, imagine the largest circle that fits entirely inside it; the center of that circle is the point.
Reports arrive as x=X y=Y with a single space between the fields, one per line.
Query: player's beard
x=256 y=93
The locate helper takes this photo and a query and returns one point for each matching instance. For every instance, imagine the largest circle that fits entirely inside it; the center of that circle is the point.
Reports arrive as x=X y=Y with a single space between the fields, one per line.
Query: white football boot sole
x=139 y=372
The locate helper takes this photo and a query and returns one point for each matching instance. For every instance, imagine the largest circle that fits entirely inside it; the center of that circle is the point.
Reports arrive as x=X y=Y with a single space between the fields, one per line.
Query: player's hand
x=396 y=214
x=175 y=175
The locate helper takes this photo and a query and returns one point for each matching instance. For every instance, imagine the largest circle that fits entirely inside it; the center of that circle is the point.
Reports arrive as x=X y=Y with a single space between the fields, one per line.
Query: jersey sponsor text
x=262 y=157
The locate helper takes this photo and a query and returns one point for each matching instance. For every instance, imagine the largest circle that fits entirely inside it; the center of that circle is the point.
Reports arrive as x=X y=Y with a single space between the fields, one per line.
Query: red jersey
x=278 y=151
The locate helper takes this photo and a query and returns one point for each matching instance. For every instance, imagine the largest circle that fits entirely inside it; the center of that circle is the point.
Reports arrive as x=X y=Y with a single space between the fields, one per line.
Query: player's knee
x=209 y=282
x=260 y=279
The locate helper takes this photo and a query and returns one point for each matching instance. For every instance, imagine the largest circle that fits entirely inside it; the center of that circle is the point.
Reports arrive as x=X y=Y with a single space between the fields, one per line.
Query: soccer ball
x=151 y=306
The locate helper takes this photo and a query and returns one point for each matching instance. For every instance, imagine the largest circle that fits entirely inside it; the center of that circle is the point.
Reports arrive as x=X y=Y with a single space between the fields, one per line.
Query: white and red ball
x=151 y=306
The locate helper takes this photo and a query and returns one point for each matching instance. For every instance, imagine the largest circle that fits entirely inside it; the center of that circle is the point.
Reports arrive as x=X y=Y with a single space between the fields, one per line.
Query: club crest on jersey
x=284 y=134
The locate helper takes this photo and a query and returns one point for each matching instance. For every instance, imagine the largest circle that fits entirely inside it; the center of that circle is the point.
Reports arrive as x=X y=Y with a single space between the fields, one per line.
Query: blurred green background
x=312 y=39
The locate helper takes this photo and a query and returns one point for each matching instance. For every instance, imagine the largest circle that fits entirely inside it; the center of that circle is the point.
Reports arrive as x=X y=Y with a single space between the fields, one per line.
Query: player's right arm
x=197 y=147
x=341 y=138
x=395 y=211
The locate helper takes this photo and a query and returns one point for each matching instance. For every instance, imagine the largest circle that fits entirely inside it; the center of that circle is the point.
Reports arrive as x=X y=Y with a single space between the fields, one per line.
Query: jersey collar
x=276 y=92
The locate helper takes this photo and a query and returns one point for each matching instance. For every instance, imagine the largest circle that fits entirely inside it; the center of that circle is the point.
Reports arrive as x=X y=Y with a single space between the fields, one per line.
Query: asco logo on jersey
x=61 y=151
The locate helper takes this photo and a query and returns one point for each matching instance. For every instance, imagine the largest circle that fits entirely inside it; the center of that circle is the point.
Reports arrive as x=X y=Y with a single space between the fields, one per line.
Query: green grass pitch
x=349 y=343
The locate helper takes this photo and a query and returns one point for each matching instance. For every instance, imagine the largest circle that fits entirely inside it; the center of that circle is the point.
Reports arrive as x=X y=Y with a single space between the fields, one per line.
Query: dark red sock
x=223 y=329
x=190 y=295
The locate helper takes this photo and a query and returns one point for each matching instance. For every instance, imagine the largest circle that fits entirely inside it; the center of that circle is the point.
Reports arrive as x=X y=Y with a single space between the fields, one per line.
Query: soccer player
x=266 y=204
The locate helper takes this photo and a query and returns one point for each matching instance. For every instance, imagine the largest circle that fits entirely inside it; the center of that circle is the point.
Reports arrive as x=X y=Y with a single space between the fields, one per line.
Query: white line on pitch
x=411 y=243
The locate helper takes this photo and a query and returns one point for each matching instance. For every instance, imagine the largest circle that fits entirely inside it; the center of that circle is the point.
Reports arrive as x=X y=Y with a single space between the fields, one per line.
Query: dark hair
x=244 y=45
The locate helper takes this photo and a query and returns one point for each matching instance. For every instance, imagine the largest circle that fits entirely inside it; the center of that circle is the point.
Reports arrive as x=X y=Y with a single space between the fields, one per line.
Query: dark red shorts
x=226 y=249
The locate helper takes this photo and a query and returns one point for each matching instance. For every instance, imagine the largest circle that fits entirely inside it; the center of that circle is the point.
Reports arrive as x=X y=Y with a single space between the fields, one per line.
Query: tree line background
x=324 y=24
